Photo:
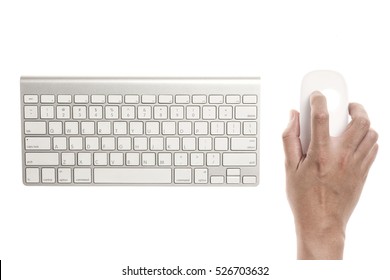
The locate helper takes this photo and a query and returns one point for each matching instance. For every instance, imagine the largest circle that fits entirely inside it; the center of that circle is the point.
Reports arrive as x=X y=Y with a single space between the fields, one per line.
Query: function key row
x=145 y=99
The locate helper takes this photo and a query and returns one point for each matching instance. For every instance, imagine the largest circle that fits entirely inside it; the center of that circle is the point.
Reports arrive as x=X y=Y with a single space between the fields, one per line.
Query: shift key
x=239 y=159
x=42 y=159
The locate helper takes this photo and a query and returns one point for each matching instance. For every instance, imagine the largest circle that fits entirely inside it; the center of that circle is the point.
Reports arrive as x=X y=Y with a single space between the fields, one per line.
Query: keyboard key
x=249 y=99
x=217 y=128
x=233 y=99
x=124 y=143
x=91 y=143
x=48 y=175
x=140 y=143
x=47 y=98
x=63 y=112
x=81 y=98
x=104 y=128
x=98 y=98
x=243 y=144
x=79 y=112
x=84 y=159
x=108 y=143
x=249 y=179
x=37 y=128
x=87 y=128
x=182 y=99
x=209 y=113
x=132 y=158
x=160 y=112
x=116 y=159
x=239 y=159
x=201 y=128
x=183 y=175
x=132 y=99
x=204 y=143
x=144 y=112
x=75 y=143
x=55 y=128
x=38 y=143
x=68 y=159
x=136 y=128
x=59 y=143
x=216 y=99
x=188 y=143
x=30 y=112
x=115 y=99
x=42 y=159
x=233 y=172
x=30 y=98
x=148 y=159
x=64 y=98
x=32 y=175
x=221 y=143
x=100 y=159
x=201 y=176
x=112 y=112
x=180 y=159
x=133 y=175
x=213 y=159
x=177 y=112
x=47 y=112
x=164 y=159
x=172 y=143
x=233 y=128
x=233 y=179
x=193 y=112
x=168 y=128
x=185 y=128
x=71 y=128
x=165 y=99
x=148 y=99
x=225 y=112
x=82 y=175
x=156 y=143
x=197 y=159
x=64 y=175
x=128 y=112
x=199 y=99
x=216 y=179
x=120 y=128
x=250 y=128
x=246 y=112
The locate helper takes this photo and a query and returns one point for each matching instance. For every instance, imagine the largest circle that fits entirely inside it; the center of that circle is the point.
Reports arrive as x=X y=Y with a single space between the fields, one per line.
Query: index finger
x=319 y=120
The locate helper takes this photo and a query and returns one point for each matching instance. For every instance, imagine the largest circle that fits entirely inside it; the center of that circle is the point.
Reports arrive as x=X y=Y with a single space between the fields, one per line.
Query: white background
x=92 y=233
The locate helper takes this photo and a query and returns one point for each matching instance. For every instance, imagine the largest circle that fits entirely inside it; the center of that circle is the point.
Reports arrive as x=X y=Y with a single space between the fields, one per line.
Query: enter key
x=243 y=144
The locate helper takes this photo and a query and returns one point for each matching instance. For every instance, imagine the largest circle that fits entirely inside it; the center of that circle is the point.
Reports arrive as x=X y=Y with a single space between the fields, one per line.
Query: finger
x=291 y=141
x=369 y=160
x=366 y=144
x=358 y=127
x=319 y=120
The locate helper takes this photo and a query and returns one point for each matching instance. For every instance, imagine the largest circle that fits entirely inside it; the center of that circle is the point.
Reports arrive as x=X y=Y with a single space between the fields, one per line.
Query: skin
x=324 y=186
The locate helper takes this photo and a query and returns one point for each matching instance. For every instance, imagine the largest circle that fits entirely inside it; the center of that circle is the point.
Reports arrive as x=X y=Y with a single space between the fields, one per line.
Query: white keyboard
x=140 y=131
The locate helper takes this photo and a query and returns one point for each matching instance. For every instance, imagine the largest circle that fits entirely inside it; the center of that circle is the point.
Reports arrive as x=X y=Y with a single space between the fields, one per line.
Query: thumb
x=291 y=141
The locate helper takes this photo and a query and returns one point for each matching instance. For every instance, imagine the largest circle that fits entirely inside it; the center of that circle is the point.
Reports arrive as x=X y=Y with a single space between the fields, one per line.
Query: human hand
x=324 y=186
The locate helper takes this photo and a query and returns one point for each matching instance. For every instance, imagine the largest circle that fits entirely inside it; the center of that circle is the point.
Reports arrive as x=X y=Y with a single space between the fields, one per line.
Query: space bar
x=133 y=175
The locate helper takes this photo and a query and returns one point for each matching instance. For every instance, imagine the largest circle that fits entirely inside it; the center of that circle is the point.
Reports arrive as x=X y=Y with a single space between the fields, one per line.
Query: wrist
x=323 y=242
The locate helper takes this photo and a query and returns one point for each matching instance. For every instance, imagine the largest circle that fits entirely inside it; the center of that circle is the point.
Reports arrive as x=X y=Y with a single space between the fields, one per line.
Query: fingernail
x=292 y=115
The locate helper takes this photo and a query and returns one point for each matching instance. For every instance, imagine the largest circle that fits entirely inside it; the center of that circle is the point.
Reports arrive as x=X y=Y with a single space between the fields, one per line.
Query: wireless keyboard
x=140 y=131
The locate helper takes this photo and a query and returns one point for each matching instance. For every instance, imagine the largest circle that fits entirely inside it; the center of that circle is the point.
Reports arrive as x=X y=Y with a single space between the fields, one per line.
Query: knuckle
x=363 y=122
x=321 y=117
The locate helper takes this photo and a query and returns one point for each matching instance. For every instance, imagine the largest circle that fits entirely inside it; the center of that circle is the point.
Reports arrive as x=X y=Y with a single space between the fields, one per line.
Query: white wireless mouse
x=332 y=85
